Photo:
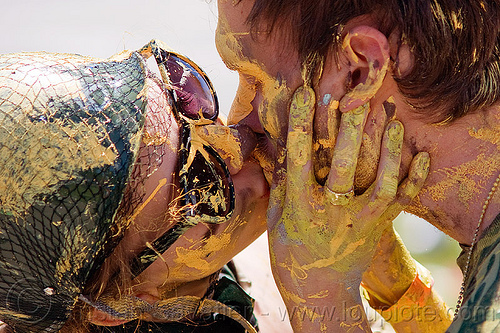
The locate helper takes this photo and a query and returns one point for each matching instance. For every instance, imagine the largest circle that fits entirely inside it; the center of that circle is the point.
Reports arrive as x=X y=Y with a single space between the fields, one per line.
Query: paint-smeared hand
x=320 y=246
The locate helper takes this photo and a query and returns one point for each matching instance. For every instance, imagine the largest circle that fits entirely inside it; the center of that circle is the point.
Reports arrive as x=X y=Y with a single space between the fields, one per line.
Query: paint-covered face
x=269 y=73
x=204 y=248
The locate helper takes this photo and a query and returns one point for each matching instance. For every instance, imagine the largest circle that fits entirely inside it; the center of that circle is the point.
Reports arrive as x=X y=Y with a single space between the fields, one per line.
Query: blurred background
x=101 y=28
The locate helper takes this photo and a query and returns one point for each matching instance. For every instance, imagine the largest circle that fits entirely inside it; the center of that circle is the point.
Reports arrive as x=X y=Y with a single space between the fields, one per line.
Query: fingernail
x=395 y=131
x=361 y=109
x=304 y=97
x=357 y=115
x=390 y=109
x=423 y=163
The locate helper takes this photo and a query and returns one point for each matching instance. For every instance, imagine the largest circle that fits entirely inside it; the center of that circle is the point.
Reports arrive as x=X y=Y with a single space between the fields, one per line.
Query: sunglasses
x=207 y=191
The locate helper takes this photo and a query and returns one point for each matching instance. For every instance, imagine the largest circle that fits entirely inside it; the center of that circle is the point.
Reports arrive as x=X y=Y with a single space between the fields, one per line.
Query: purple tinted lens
x=194 y=94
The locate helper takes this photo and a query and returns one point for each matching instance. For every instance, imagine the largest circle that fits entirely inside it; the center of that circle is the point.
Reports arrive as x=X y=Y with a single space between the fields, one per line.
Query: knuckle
x=343 y=166
x=386 y=192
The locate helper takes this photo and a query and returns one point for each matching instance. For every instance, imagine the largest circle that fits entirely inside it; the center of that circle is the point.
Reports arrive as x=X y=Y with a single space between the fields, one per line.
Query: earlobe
x=367 y=52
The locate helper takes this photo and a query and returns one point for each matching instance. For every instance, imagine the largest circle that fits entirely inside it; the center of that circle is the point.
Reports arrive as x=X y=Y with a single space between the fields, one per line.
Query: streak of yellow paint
x=162 y=182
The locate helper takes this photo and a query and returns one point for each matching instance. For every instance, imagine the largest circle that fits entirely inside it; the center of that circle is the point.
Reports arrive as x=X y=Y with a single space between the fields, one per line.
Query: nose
x=244 y=101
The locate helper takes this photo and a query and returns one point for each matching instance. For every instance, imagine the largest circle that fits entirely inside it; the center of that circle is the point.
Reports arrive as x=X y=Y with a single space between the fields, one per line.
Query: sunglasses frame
x=186 y=156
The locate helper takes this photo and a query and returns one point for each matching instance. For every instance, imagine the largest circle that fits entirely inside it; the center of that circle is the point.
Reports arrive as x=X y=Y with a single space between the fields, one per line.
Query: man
x=433 y=66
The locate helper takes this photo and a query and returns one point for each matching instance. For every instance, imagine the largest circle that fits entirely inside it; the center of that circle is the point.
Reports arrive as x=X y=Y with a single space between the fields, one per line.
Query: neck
x=465 y=162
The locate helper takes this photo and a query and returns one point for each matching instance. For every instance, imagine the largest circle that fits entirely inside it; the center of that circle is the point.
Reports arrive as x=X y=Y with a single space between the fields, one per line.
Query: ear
x=367 y=52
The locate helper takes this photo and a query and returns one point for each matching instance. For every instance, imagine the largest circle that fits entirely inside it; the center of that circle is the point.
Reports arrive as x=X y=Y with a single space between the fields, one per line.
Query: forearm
x=317 y=299
x=401 y=290
x=391 y=271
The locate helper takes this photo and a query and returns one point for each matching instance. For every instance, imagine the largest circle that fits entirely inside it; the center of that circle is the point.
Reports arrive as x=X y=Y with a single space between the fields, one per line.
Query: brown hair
x=455 y=44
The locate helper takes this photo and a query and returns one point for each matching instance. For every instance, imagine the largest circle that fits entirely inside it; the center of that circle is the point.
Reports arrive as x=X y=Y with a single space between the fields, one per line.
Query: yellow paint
x=162 y=182
x=196 y=146
x=67 y=149
x=337 y=256
x=395 y=133
x=321 y=294
x=266 y=162
x=225 y=139
x=242 y=106
x=54 y=149
x=471 y=177
x=230 y=48
x=334 y=105
x=153 y=140
x=357 y=326
x=195 y=256
x=351 y=130
x=297 y=272
x=487 y=134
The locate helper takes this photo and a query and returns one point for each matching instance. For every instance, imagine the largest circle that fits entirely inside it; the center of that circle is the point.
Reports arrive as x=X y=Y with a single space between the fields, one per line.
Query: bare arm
x=401 y=290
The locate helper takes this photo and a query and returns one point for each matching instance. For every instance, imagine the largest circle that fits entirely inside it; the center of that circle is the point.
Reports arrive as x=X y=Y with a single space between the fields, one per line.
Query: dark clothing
x=480 y=310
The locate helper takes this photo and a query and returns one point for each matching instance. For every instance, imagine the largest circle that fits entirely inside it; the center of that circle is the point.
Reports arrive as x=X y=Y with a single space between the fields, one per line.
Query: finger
x=369 y=154
x=409 y=188
x=277 y=197
x=388 y=170
x=345 y=155
x=326 y=128
x=299 y=140
x=419 y=170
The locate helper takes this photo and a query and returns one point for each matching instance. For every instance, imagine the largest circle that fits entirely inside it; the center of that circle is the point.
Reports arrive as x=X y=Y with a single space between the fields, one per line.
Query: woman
x=105 y=180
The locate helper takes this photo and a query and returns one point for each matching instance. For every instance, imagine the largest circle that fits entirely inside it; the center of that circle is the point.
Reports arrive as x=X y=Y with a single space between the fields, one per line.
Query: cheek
x=273 y=109
x=326 y=123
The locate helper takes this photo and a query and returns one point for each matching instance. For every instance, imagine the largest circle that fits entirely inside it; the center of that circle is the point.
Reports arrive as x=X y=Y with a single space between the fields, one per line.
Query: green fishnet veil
x=70 y=130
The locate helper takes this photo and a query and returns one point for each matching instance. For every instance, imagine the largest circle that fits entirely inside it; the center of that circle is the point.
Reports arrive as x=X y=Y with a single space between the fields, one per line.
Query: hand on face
x=314 y=234
x=206 y=247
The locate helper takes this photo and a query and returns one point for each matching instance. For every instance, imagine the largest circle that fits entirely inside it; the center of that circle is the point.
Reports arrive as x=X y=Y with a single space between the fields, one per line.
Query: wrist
x=421 y=283
x=391 y=272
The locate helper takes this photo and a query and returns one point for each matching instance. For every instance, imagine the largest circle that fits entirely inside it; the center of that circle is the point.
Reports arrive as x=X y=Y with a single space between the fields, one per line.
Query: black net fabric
x=70 y=131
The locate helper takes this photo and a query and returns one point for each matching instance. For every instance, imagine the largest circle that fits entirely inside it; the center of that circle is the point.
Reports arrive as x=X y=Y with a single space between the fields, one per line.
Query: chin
x=251 y=182
x=252 y=196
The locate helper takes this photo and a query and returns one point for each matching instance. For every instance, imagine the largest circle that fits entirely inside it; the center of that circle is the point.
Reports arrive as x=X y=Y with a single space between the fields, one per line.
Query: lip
x=247 y=138
x=252 y=120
